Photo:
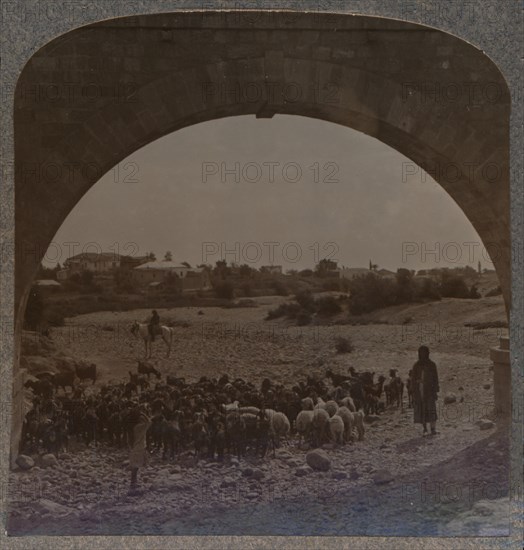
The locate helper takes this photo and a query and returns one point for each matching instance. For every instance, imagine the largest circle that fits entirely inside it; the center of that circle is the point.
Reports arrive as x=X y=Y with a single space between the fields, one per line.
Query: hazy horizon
x=296 y=182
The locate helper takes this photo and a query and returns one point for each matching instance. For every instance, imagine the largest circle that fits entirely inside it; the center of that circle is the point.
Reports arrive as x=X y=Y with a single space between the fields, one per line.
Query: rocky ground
x=394 y=482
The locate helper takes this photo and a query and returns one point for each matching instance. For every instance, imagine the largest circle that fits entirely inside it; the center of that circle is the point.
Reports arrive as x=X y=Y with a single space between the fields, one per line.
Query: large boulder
x=485 y=424
x=303 y=471
x=381 y=477
x=49 y=461
x=450 y=398
x=24 y=462
x=318 y=460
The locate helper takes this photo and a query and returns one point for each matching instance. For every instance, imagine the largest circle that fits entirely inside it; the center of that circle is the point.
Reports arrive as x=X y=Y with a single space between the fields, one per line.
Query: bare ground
x=394 y=482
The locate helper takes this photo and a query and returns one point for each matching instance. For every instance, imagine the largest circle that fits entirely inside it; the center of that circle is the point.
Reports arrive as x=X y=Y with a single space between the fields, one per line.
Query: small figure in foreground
x=425 y=390
x=140 y=422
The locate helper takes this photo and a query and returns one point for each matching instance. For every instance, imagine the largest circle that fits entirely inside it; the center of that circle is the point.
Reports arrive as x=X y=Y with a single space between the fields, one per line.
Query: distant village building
x=190 y=278
x=271 y=269
x=387 y=274
x=99 y=263
x=102 y=262
x=352 y=272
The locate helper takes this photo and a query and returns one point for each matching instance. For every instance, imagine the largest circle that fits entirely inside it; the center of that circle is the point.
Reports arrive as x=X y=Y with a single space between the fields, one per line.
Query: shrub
x=54 y=316
x=224 y=290
x=290 y=310
x=370 y=292
x=306 y=301
x=343 y=345
x=428 y=290
x=331 y=284
x=303 y=318
x=327 y=306
x=279 y=288
x=494 y=292
x=454 y=287
x=247 y=289
x=474 y=293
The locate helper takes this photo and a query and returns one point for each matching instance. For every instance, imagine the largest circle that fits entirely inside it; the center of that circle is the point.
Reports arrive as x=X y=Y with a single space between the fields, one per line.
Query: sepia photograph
x=262 y=280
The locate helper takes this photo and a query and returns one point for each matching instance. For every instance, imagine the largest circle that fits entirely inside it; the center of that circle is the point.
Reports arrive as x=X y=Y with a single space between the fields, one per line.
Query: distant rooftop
x=96 y=257
x=160 y=264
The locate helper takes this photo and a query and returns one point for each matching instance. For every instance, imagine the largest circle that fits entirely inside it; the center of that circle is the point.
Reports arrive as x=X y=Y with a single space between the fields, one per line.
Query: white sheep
x=307 y=404
x=336 y=429
x=349 y=403
x=279 y=426
x=320 y=424
x=358 y=423
x=230 y=406
x=331 y=407
x=304 y=424
x=347 y=417
x=269 y=413
x=250 y=410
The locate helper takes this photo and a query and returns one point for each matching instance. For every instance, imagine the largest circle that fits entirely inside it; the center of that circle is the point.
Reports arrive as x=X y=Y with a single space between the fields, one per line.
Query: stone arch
x=91 y=97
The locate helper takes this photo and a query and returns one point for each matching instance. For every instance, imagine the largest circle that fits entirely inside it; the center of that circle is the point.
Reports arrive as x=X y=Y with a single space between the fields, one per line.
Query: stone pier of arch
x=502 y=379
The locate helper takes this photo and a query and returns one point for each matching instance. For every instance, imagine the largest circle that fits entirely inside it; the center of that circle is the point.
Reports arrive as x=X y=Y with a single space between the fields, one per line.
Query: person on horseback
x=154 y=323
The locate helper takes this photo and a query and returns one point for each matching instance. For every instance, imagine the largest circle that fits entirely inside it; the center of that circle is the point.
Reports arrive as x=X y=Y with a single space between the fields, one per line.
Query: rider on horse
x=154 y=323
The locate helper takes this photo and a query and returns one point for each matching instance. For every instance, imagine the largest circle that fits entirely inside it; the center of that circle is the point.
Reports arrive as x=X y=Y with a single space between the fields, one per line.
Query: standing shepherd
x=425 y=390
x=138 y=454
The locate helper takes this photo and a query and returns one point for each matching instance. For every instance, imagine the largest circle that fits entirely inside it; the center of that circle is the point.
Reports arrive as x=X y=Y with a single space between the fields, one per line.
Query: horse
x=143 y=330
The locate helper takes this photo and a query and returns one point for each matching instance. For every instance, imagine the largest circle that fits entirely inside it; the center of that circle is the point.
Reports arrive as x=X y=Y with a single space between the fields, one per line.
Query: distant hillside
x=448 y=310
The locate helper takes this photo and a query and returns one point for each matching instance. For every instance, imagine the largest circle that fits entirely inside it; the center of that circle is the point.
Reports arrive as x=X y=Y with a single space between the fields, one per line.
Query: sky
x=285 y=191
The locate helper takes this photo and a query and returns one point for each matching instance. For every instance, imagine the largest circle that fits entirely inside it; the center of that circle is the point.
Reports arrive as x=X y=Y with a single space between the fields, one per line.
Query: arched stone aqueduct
x=91 y=97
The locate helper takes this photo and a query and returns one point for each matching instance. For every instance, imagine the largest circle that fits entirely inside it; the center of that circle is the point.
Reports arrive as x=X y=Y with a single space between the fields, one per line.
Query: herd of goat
x=212 y=417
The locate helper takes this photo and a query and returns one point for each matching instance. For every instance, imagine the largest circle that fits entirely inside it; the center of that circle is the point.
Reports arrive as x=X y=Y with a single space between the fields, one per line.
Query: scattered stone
x=318 y=460
x=303 y=471
x=252 y=495
x=339 y=474
x=228 y=482
x=485 y=424
x=283 y=454
x=247 y=472
x=257 y=474
x=371 y=418
x=49 y=461
x=354 y=475
x=46 y=506
x=486 y=386
x=25 y=462
x=450 y=398
x=381 y=477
